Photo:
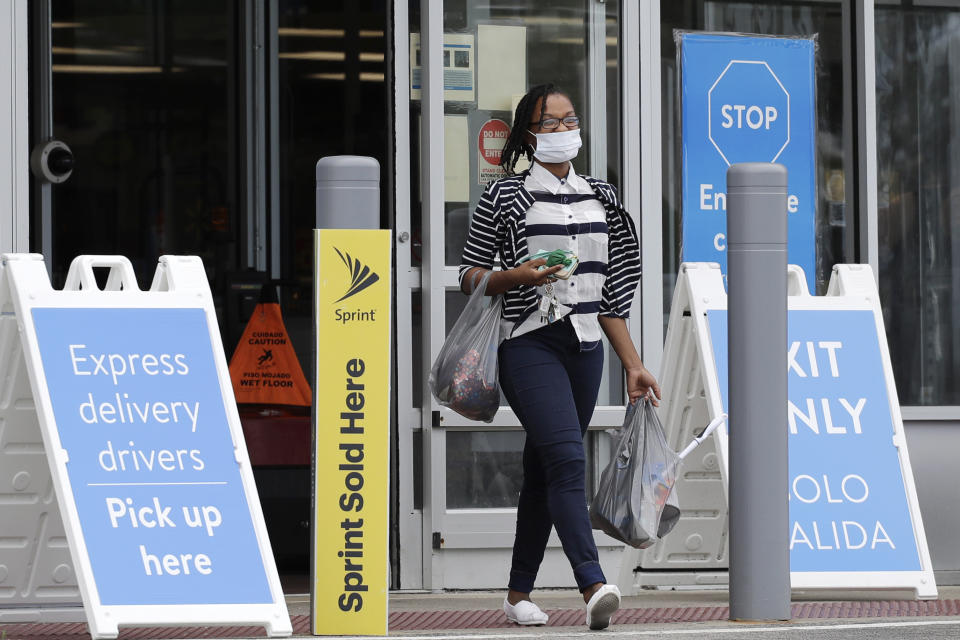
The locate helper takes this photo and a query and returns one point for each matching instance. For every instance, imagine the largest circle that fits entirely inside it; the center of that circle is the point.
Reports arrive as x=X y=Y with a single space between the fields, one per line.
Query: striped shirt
x=518 y=215
x=566 y=214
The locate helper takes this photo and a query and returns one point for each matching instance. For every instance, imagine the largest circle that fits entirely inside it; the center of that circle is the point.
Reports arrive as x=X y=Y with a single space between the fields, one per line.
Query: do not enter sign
x=493 y=135
x=490 y=142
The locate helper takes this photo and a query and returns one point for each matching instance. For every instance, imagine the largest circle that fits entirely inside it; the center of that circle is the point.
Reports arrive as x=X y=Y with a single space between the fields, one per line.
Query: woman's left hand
x=640 y=382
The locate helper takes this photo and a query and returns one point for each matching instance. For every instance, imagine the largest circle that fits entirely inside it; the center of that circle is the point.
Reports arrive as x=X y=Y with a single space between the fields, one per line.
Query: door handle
x=52 y=161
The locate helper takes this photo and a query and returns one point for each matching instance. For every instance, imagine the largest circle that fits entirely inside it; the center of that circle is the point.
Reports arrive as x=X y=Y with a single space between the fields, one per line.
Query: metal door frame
x=14 y=144
x=408 y=517
x=421 y=566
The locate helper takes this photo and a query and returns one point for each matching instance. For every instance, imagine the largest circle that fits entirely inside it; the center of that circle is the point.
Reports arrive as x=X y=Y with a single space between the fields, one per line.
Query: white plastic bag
x=464 y=376
x=635 y=502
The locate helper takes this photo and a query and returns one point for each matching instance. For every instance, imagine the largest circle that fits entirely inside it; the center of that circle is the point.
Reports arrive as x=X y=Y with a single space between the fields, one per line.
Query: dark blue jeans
x=551 y=384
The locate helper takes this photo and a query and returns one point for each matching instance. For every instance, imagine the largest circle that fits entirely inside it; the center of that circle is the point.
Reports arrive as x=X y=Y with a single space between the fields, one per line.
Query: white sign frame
x=700 y=290
x=179 y=282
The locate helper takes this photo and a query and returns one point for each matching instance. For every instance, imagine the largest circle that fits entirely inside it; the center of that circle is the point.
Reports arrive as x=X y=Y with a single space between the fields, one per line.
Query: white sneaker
x=602 y=605
x=524 y=613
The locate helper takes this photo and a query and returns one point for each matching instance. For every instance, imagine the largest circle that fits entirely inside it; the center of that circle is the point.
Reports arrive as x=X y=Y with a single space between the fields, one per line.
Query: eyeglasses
x=550 y=124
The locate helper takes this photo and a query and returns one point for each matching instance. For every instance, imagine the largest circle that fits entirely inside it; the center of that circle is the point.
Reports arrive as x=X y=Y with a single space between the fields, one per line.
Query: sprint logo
x=361 y=277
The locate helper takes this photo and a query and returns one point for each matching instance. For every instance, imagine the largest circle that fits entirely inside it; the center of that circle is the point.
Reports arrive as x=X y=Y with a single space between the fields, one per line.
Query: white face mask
x=557 y=146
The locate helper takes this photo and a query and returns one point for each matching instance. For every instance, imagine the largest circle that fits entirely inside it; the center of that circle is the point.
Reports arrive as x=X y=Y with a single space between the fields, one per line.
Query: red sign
x=493 y=136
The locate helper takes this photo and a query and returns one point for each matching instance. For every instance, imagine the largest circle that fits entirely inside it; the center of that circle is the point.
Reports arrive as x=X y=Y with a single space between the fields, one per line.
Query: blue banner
x=848 y=502
x=139 y=410
x=746 y=99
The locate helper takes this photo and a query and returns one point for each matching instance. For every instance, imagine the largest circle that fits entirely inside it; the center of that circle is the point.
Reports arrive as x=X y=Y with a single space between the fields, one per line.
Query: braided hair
x=516 y=146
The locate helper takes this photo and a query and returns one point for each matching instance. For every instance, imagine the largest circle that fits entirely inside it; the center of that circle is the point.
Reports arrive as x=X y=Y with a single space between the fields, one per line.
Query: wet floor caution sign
x=264 y=367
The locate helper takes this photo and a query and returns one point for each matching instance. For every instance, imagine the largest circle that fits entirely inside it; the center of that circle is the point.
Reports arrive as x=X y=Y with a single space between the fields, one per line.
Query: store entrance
x=144 y=95
x=193 y=128
x=458 y=504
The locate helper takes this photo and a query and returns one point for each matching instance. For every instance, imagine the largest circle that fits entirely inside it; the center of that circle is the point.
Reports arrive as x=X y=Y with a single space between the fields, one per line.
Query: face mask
x=557 y=146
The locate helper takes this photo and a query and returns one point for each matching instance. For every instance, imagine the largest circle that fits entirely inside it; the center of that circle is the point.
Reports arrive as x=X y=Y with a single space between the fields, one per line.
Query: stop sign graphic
x=749 y=113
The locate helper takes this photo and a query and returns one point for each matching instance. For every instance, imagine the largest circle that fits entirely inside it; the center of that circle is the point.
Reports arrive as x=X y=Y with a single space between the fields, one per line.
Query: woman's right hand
x=500 y=281
x=529 y=274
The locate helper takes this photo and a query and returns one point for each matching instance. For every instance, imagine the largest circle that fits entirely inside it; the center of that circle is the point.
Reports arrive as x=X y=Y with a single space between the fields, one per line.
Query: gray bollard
x=757 y=303
x=348 y=192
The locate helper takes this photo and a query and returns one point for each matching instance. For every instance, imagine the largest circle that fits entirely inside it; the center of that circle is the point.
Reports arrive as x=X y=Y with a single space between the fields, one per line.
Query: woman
x=551 y=357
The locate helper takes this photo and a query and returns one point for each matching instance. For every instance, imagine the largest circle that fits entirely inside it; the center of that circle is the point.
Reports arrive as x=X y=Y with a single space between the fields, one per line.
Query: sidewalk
x=447 y=614
x=460 y=610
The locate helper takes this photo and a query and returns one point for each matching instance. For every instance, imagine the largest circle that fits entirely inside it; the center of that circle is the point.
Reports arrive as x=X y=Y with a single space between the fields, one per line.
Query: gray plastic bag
x=464 y=376
x=635 y=502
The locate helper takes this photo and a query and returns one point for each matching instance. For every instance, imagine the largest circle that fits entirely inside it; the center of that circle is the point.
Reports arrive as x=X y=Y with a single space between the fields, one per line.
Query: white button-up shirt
x=567 y=215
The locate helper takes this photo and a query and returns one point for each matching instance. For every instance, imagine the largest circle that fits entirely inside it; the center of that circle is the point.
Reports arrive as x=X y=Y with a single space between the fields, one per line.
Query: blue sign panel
x=138 y=408
x=848 y=503
x=746 y=99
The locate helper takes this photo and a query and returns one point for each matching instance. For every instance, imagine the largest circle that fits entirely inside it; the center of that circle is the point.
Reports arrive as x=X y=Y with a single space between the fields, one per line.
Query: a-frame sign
x=854 y=517
x=126 y=483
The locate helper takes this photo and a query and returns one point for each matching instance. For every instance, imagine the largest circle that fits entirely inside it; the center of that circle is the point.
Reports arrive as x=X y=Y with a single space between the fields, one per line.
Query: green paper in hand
x=557 y=257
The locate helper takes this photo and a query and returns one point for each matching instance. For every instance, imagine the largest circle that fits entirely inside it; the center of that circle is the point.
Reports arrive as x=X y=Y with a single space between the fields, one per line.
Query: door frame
x=407 y=278
x=421 y=561
x=14 y=130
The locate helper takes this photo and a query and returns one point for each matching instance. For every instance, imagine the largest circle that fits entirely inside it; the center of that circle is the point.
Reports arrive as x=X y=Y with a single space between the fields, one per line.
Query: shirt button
x=573 y=237
x=563 y=200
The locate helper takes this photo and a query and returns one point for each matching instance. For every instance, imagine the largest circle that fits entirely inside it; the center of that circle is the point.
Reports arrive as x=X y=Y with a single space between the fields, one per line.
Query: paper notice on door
x=459 y=67
x=501 y=66
x=456 y=159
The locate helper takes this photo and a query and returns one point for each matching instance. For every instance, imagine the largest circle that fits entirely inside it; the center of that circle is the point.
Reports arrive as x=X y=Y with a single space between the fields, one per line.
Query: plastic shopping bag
x=635 y=502
x=464 y=376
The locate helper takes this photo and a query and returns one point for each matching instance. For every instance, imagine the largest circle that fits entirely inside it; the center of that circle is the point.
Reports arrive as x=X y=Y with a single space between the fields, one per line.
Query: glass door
x=469 y=64
x=144 y=95
x=195 y=127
